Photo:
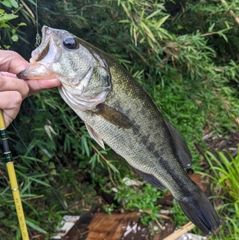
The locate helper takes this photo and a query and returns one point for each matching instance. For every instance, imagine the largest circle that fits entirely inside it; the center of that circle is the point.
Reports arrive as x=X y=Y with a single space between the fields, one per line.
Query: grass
x=225 y=172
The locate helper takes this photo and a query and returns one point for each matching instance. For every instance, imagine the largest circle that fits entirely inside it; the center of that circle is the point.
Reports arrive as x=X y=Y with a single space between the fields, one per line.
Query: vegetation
x=8 y=30
x=225 y=170
x=184 y=55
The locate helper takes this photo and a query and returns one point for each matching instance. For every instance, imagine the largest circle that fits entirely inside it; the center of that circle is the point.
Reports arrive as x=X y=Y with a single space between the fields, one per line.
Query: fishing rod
x=13 y=180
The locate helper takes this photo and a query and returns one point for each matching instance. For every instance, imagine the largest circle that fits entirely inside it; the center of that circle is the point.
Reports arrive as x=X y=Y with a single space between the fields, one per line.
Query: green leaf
x=33 y=224
x=22 y=24
x=6 y=3
x=14 y=38
x=7 y=17
x=162 y=20
x=154 y=14
x=39 y=181
x=10 y=3
x=14 y=3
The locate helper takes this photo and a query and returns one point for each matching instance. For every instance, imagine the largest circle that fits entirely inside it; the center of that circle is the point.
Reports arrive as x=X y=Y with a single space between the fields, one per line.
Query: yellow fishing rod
x=13 y=180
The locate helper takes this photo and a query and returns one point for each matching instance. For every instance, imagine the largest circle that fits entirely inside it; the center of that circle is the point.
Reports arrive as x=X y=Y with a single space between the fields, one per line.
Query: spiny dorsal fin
x=182 y=151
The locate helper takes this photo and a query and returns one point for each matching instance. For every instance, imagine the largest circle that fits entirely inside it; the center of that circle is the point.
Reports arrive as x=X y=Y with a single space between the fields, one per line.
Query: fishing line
x=38 y=36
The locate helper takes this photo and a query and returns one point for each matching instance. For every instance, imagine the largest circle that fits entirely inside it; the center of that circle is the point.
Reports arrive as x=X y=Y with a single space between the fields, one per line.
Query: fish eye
x=70 y=43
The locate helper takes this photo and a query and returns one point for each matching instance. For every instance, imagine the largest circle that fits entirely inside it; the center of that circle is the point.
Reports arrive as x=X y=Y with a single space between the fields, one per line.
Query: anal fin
x=150 y=179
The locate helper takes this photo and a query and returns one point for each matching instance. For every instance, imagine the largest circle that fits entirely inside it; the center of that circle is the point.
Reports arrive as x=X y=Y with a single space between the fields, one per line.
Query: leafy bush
x=185 y=57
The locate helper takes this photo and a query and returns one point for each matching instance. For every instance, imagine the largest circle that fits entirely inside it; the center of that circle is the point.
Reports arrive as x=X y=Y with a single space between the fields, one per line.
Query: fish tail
x=200 y=211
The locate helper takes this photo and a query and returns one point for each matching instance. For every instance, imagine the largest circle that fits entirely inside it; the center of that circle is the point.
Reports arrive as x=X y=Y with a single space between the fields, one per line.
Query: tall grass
x=225 y=175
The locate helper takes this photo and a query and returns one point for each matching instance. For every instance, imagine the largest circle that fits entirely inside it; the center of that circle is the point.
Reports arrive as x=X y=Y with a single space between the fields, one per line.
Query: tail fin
x=200 y=211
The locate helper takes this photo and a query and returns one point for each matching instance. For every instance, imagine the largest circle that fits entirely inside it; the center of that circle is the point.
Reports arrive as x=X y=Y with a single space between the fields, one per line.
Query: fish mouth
x=42 y=57
x=49 y=43
x=42 y=50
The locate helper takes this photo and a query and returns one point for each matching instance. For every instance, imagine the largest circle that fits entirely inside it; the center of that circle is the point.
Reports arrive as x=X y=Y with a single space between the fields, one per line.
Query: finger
x=13 y=84
x=7 y=74
x=10 y=104
x=12 y=62
x=37 y=85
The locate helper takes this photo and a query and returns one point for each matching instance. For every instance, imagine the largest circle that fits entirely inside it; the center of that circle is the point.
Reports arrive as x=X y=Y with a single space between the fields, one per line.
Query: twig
x=159 y=224
x=101 y=155
x=209 y=34
x=186 y=228
x=234 y=16
x=28 y=9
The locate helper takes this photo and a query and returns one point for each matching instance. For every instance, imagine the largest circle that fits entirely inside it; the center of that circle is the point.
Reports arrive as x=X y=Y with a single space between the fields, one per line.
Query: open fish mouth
x=47 y=51
x=41 y=58
x=42 y=50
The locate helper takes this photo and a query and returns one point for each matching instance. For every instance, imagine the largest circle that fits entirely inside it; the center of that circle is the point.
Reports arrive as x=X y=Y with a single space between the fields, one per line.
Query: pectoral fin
x=95 y=135
x=113 y=116
x=182 y=151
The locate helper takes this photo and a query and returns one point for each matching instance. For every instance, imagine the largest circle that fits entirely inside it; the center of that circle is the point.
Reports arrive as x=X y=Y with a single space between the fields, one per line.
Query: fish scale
x=117 y=111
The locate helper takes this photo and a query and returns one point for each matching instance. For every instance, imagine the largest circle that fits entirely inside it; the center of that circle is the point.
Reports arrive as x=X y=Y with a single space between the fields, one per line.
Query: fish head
x=84 y=74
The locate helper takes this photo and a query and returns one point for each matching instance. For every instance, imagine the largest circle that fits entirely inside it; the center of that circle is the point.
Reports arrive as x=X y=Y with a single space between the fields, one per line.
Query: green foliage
x=136 y=198
x=185 y=57
x=9 y=32
x=225 y=170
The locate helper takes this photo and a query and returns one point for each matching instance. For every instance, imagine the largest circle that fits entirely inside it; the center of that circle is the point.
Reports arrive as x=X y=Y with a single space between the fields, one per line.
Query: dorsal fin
x=181 y=148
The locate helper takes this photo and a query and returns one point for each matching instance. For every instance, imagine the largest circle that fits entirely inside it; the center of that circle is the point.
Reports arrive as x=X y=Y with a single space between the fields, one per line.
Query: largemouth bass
x=117 y=111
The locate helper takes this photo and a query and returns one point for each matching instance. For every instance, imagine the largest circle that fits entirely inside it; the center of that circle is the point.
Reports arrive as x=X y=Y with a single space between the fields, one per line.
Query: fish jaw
x=42 y=58
x=36 y=71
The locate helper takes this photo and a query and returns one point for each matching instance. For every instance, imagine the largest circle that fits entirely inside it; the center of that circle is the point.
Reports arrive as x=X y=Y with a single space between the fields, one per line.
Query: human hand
x=13 y=90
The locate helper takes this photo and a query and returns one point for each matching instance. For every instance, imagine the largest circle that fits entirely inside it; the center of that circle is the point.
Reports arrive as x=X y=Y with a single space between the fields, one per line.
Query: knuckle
x=13 y=54
x=16 y=99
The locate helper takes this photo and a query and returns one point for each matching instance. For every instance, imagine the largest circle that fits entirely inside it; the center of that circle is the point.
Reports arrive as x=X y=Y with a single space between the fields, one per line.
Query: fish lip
x=41 y=51
x=37 y=53
x=46 y=52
